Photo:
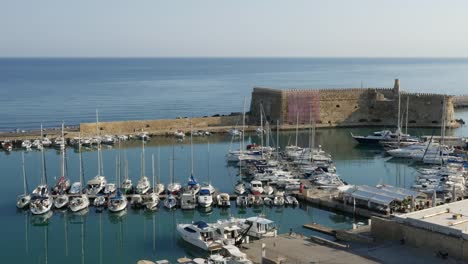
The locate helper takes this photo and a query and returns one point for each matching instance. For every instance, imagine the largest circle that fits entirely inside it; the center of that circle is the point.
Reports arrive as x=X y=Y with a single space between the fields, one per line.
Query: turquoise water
x=140 y=234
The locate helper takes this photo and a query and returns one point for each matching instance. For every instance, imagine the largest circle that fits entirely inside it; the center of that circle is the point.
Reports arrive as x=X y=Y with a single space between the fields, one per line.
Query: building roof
x=451 y=219
x=382 y=194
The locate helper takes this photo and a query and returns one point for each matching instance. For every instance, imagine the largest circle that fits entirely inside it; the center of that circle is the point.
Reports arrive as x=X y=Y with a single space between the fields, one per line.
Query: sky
x=236 y=28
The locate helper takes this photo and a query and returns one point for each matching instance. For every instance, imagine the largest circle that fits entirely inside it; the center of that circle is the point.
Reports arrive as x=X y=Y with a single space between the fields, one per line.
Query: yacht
x=118 y=202
x=188 y=200
x=200 y=234
x=96 y=185
x=205 y=198
x=384 y=135
x=170 y=202
x=79 y=203
x=223 y=200
x=259 y=227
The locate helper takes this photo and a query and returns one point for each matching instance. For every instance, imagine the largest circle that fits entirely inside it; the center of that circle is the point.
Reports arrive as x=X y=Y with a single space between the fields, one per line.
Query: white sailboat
x=41 y=202
x=119 y=202
x=170 y=201
x=24 y=199
x=143 y=184
x=97 y=184
x=63 y=183
x=81 y=202
x=127 y=184
x=192 y=185
x=159 y=187
x=152 y=201
x=173 y=187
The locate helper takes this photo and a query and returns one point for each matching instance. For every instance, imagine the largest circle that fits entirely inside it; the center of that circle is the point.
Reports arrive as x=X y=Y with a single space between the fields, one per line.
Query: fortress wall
x=271 y=100
x=350 y=107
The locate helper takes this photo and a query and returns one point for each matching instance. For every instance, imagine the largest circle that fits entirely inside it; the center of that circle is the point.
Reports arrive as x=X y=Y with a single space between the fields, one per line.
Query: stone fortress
x=351 y=107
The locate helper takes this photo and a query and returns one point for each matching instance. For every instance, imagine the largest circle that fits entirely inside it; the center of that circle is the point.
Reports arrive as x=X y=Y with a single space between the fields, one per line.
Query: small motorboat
x=205 y=199
x=179 y=134
x=291 y=200
x=278 y=200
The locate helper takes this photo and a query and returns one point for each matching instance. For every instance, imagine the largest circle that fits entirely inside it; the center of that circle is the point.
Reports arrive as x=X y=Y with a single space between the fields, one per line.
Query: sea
x=48 y=91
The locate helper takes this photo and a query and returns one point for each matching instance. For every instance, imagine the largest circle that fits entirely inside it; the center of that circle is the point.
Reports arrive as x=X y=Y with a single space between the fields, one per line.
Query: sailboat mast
x=81 y=161
x=243 y=126
x=261 y=127
x=297 y=125
x=143 y=173
x=152 y=170
x=159 y=165
x=277 y=140
x=25 y=185
x=407 y=113
x=62 y=148
x=209 y=176
x=191 y=148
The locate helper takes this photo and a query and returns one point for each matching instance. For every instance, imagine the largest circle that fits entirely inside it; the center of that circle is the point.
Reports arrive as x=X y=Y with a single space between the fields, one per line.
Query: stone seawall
x=162 y=126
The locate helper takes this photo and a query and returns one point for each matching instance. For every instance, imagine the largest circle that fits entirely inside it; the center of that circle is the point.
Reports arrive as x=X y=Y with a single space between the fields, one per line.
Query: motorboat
x=259 y=227
x=96 y=185
x=240 y=188
x=291 y=200
x=99 y=201
x=229 y=254
x=7 y=145
x=170 y=201
x=188 y=200
x=256 y=187
x=208 y=186
x=109 y=188
x=108 y=140
x=79 y=203
x=223 y=200
x=179 y=134
x=143 y=185
x=201 y=234
x=61 y=201
x=118 y=202
x=384 y=135
x=26 y=144
x=136 y=201
x=205 y=198
x=241 y=201
x=144 y=136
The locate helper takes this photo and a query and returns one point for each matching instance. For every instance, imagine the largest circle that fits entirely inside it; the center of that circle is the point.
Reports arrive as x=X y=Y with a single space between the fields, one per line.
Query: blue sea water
x=52 y=90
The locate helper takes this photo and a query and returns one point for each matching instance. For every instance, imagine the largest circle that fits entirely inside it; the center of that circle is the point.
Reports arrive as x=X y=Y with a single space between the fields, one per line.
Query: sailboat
x=193 y=185
x=24 y=199
x=173 y=187
x=97 y=184
x=127 y=184
x=170 y=201
x=63 y=183
x=117 y=203
x=152 y=201
x=207 y=185
x=159 y=187
x=81 y=202
x=143 y=185
x=41 y=202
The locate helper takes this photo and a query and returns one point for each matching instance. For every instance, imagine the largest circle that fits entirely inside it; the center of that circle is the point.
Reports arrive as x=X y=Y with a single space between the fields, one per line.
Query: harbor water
x=51 y=90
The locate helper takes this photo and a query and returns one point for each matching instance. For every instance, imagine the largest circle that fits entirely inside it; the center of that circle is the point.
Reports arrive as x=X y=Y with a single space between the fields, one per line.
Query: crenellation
x=351 y=106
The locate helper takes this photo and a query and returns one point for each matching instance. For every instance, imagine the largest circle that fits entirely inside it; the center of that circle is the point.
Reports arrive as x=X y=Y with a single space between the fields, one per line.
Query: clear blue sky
x=236 y=28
